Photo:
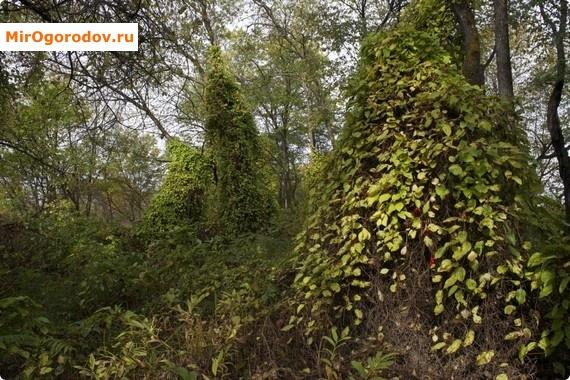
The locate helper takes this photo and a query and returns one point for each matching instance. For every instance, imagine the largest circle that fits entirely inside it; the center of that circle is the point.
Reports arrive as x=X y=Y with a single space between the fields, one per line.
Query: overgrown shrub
x=549 y=275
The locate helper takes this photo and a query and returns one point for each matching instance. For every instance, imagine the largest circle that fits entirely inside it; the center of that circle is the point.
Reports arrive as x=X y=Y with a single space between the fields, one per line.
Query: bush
x=28 y=345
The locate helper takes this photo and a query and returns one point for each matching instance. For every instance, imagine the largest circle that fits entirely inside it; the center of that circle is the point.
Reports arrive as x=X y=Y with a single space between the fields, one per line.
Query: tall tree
x=296 y=27
x=173 y=40
x=559 y=35
x=503 y=50
x=465 y=17
x=273 y=83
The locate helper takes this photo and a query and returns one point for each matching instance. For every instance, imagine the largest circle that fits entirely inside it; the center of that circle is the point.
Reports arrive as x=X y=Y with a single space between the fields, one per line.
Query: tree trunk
x=503 y=50
x=472 y=67
x=552 y=116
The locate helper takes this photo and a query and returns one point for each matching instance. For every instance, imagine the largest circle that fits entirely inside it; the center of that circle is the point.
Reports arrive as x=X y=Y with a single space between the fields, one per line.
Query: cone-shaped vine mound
x=180 y=200
x=244 y=202
x=416 y=226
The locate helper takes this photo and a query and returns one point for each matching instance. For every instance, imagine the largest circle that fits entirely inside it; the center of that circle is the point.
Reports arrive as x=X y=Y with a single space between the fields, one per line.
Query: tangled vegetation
x=244 y=203
x=181 y=198
x=418 y=218
x=426 y=247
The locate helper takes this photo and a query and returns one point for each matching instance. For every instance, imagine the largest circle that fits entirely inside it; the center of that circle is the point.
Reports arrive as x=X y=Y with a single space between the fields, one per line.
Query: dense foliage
x=426 y=245
x=180 y=200
x=243 y=201
x=418 y=216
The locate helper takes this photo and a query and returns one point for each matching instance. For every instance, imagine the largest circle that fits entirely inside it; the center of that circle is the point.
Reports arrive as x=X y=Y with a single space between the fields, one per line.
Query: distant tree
x=54 y=147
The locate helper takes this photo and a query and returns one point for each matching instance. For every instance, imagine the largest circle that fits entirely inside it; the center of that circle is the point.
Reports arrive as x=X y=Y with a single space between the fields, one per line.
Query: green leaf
x=535 y=260
x=509 y=309
x=441 y=192
x=521 y=296
x=358 y=313
x=456 y=170
x=184 y=374
x=459 y=273
x=564 y=284
x=45 y=370
x=460 y=252
x=450 y=282
x=546 y=291
x=364 y=235
x=359 y=368
x=446 y=129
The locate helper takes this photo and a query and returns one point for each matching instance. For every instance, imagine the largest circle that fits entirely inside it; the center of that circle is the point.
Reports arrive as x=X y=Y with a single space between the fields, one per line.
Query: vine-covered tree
x=391 y=136
x=243 y=200
x=416 y=208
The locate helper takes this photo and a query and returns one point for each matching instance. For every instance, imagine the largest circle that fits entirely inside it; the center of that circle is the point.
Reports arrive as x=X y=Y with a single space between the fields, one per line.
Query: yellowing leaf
x=364 y=235
x=438 y=309
x=453 y=347
x=438 y=346
x=485 y=357
x=469 y=338
x=509 y=309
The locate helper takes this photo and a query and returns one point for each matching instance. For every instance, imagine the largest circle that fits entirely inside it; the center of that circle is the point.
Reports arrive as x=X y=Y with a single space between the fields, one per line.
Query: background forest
x=288 y=189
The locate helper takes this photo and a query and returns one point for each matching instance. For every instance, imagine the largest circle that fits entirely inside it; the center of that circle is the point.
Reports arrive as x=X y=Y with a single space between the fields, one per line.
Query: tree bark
x=552 y=116
x=472 y=67
x=503 y=50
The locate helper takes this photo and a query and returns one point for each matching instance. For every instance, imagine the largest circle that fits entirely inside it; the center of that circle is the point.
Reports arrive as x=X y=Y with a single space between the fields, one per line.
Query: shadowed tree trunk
x=472 y=67
x=552 y=116
x=503 y=50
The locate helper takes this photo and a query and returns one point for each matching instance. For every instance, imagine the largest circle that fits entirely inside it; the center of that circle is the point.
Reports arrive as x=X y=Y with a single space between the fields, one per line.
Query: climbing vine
x=243 y=200
x=180 y=200
x=423 y=190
